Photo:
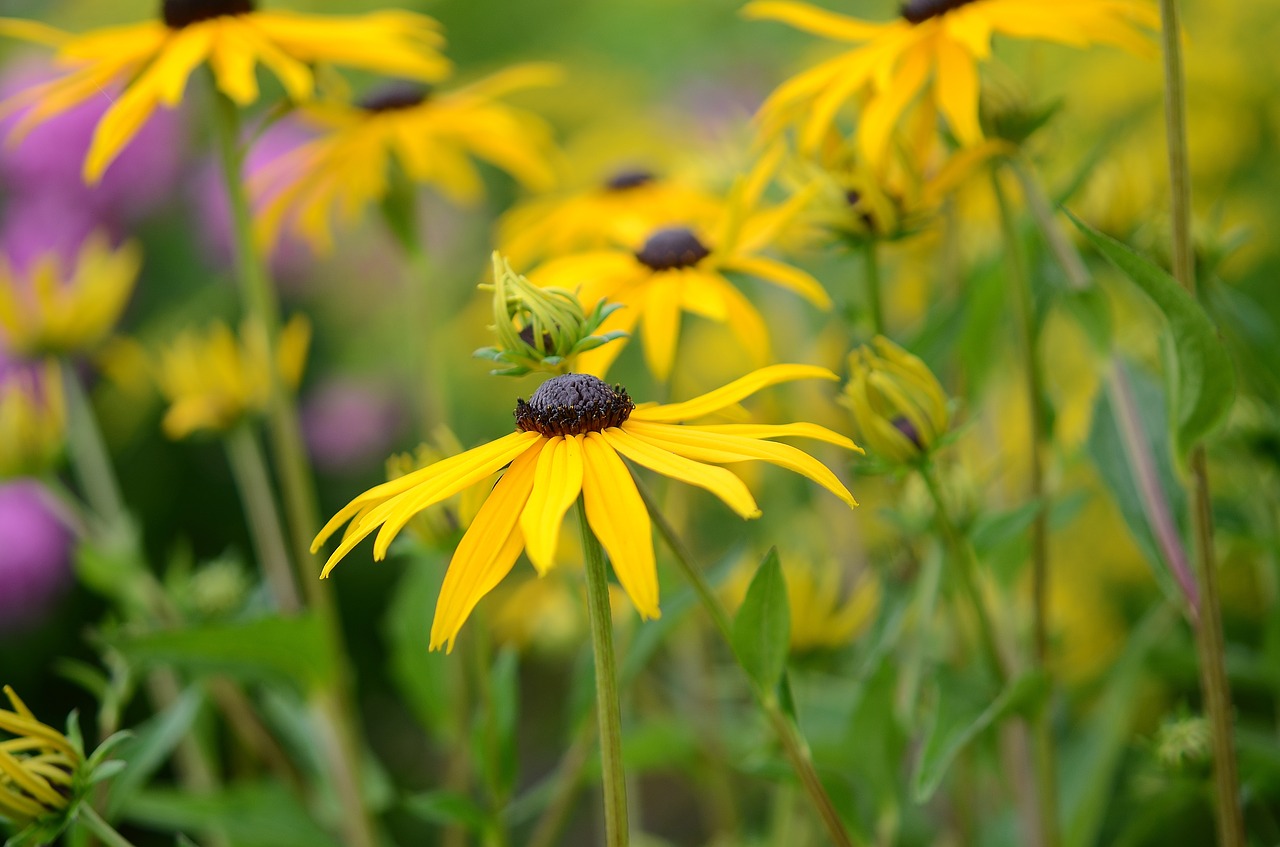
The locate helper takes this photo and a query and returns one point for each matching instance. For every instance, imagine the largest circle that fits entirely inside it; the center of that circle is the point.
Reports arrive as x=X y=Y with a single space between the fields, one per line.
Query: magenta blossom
x=349 y=425
x=35 y=558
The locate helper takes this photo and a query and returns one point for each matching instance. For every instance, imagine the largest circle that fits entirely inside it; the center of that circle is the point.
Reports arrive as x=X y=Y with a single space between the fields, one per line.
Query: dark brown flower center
x=180 y=13
x=631 y=178
x=398 y=94
x=573 y=404
x=672 y=248
x=919 y=11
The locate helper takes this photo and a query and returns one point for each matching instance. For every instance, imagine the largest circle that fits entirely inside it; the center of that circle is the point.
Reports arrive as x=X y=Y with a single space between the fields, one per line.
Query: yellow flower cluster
x=33 y=420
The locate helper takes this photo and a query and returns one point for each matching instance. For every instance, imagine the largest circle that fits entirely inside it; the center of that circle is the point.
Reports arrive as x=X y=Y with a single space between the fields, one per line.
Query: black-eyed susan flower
x=152 y=61
x=542 y=329
x=33 y=418
x=620 y=210
x=898 y=405
x=38 y=766
x=570 y=442
x=212 y=379
x=430 y=135
x=53 y=308
x=682 y=269
x=933 y=49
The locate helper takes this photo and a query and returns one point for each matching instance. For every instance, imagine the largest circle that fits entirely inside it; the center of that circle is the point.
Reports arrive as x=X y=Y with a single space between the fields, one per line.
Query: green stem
x=333 y=707
x=870 y=254
x=249 y=468
x=91 y=462
x=793 y=744
x=1209 y=637
x=608 y=710
x=104 y=831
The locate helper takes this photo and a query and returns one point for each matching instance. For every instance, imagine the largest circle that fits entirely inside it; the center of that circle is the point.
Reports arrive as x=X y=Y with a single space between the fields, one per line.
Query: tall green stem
x=788 y=734
x=875 y=307
x=1209 y=638
x=91 y=462
x=608 y=710
x=249 y=469
x=333 y=709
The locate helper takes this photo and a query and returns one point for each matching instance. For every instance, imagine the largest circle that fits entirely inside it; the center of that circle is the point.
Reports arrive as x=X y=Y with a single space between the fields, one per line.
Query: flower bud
x=540 y=329
x=898 y=405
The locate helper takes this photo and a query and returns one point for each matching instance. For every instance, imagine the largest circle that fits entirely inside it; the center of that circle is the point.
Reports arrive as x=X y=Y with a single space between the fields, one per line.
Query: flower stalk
x=249 y=469
x=1209 y=638
x=608 y=710
x=875 y=307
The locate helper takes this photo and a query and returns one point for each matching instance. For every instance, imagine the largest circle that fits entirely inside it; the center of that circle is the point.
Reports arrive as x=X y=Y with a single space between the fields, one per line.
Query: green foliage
x=249 y=814
x=762 y=629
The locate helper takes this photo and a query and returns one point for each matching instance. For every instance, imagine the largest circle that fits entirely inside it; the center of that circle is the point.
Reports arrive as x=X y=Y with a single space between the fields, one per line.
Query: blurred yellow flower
x=570 y=441
x=33 y=419
x=154 y=60
x=898 y=405
x=212 y=379
x=547 y=614
x=826 y=613
x=37 y=766
x=429 y=134
x=934 y=49
x=439 y=525
x=681 y=269
x=620 y=211
x=57 y=310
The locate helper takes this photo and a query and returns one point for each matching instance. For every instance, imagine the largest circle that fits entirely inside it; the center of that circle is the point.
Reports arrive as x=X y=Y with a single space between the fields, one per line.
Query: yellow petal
x=882 y=113
x=811 y=19
x=660 y=328
x=556 y=484
x=619 y=519
x=719 y=481
x=792 y=430
x=693 y=443
x=735 y=391
x=956 y=87
x=486 y=553
x=781 y=275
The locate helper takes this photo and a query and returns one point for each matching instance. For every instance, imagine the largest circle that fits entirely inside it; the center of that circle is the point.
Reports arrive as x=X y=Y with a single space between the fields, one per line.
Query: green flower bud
x=898 y=405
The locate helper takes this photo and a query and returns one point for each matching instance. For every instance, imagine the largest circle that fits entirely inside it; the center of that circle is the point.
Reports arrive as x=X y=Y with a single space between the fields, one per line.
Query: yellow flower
x=429 y=134
x=619 y=211
x=38 y=766
x=898 y=405
x=154 y=60
x=33 y=419
x=826 y=614
x=52 y=309
x=440 y=524
x=681 y=269
x=933 y=49
x=569 y=442
x=212 y=379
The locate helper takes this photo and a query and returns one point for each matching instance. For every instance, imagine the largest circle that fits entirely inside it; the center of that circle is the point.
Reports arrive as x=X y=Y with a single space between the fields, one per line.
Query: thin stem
x=965 y=570
x=871 y=257
x=92 y=463
x=1209 y=637
x=793 y=744
x=249 y=468
x=333 y=707
x=104 y=831
x=608 y=710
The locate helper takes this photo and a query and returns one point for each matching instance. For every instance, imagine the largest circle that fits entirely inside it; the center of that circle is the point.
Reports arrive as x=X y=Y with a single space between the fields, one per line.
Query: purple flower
x=37 y=225
x=48 y=160
x=349 y=425
x=35 y=558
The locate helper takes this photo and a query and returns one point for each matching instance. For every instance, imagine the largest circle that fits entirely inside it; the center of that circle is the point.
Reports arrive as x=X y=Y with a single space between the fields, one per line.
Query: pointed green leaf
x=262 y=814
x=762 y=630
x=1205 y=386
x=151 y=745
x=448 y=807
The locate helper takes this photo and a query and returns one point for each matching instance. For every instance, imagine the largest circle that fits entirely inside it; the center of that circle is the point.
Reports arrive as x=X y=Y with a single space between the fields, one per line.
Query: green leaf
x=151 y=745
x=269 y=649
x=249 y=815
x=501 y=757
x=448 y=807
x=762 y=629
x=423 y=678
x=954 y=726
x=1205 y=386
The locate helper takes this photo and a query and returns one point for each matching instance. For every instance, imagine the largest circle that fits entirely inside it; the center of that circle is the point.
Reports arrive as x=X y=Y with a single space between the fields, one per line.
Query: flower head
x=682 y=268
x=213 y=379
x=933 y=50
x=33 y=418
x=429 y=135
x=540 y=328
x=570 y=441
x=53 y=308
x=154 y=60
x=38 y=766
x=898 y=405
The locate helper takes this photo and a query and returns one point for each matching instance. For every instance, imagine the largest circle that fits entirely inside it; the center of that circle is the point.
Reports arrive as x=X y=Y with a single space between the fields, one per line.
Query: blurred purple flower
x=349 y=425
x=290 y=257
x=48 y=161
x=35 y=558
x=35 y=225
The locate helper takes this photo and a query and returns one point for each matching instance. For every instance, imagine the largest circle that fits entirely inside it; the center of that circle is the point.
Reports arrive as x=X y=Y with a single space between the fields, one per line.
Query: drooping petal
x=811 y=19
x=556 y=484
x=619 y=519
x=660 y=329
x=486 y=553
x=739 y=389
x=721 y=482
x=781 y=275
x=882 y=113
x=956 y=87
x=792 y=430
x=693 y=443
